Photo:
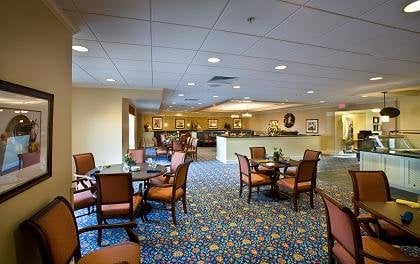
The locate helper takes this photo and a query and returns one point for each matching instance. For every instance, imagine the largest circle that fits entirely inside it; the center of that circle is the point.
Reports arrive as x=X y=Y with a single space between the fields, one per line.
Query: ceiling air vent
x=222 y=79
x=190 y=99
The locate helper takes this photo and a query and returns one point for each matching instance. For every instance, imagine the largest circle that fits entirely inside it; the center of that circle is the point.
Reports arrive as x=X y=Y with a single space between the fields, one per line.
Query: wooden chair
x=83 y=187
x=192 y=149
x=139 y=155
x=304 y=181
x=260 y=153
x=57 y=236
x=160 y=150
x=346 y=245
x=115 y=198
x=170 y=193
x=373 y=186
x=249 y=178
x=177 y=159
x=307 y=155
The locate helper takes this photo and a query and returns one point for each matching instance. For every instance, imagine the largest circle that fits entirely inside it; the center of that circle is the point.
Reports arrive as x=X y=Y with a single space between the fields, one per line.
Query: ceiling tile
x=94 y=49
x=172 y=55
x=345 y=36
x=271 y=48
x=130 y=8
x=136 y=74
x=169 y=76
x=225 y=42
x=199 y=13
x=226 y=60
x=354 y=8
x=267 y=14
x=169 y=67
x=391 y=14
x=121 y=30
x=94 y=63
x=77 y=20
x=66 y=4
x=133 y=65
x=162 y=83
x=127 y=51
x=79 y=76
x=103 y=74
x=138 y=82
x=308 y=54
x=175 y=36
x=307 y=24
x=255 y=63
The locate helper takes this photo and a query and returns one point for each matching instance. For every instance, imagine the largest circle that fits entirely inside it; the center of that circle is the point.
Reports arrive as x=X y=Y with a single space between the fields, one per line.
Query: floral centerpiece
x=273 y=129
x=278 y=154
x=129 y=160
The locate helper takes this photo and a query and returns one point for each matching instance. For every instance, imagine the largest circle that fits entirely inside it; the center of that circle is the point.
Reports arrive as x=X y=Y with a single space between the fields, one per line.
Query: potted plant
x=277 y=154
x=128 y=160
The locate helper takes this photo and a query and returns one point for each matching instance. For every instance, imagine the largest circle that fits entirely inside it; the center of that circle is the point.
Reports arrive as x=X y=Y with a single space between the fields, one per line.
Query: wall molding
x=58 y=12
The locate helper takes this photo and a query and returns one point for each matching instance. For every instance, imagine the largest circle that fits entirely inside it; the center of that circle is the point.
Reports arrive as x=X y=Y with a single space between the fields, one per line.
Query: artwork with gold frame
x=212 y=123
x=157 y=123
x=179 y=123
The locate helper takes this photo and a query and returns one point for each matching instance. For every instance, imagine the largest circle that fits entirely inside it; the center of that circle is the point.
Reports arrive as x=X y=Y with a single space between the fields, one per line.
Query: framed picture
x=376 y=119
x=25 y=138
x=179 y=123
x=157 y=123
x=311 y=125
x=213 y=123
x=237 y=123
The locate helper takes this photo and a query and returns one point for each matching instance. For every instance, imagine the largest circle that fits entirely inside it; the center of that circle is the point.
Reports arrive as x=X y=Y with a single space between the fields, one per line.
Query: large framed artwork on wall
x=212 y=123
x=157 y=123
x=26 y=124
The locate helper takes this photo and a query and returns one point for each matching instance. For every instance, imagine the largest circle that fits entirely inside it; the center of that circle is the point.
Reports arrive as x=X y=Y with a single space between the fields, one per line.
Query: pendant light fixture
x=388 y=112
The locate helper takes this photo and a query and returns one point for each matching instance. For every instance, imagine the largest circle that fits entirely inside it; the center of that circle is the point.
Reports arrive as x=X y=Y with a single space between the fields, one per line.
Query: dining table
x=139 y=172
x=391 y=212
x=275 y=166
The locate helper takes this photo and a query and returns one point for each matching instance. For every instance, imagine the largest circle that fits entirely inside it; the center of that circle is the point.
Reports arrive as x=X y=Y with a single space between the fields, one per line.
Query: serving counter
x=293 y=146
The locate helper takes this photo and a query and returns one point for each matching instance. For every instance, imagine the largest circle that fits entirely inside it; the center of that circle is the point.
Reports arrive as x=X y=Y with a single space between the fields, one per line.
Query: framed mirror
x=26 y=117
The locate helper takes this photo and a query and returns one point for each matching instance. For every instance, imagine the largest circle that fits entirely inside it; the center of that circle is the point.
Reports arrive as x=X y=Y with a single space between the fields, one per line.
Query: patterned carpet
x=220 y=227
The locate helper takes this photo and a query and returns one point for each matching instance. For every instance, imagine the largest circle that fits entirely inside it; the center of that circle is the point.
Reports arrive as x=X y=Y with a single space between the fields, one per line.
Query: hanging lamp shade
x=389 y=111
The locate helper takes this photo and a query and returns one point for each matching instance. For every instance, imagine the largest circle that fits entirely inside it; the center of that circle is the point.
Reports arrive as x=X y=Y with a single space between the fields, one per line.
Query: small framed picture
x=213 y=123
x=237 y=123
x=157 y=123
x=376 y=119
x=179 y=123
x=312 y=126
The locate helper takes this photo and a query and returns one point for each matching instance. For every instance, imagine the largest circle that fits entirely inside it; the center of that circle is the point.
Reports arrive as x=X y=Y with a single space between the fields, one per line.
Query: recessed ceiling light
x=322 y=101
x=200 y=103
x=213 y=60
x=310 y=92
x=173 y=102
x=413 y=7
x=170 y=106
x=236 y=86
x=180 y=94
x=364 y=96
x=190 y=84
x=192 y=107
x=247 y=97
x=215 y=96
x=110 y=80
x=376 y=78
x=79 y=48
x=280 y=67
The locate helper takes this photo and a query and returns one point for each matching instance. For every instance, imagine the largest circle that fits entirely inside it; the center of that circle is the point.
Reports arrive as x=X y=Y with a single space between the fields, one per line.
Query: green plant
x=129 y=160
x=273 y=129
x=278 y=154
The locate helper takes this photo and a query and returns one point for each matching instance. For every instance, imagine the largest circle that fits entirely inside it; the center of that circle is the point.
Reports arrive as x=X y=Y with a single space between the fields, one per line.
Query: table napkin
x=409 y=203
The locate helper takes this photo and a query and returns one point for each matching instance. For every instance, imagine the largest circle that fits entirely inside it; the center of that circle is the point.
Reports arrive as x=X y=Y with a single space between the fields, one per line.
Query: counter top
x=402 y=153
x=281 y=136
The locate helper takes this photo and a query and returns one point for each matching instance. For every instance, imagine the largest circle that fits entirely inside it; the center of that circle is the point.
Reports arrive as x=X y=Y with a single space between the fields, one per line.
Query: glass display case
x=398 y=140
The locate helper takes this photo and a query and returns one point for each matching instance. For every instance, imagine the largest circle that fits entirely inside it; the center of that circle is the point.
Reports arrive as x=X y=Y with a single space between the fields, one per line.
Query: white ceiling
x=331 y=47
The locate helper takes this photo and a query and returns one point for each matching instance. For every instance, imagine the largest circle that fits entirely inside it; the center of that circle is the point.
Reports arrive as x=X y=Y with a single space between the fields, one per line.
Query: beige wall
x=100 y=121
x=36 y=52
x=409 y=118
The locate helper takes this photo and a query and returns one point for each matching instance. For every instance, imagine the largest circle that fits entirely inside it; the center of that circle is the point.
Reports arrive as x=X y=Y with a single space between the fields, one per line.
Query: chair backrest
x=243 y=164
x=177 y=145
x=84 y=163
x=177 y=159
x=162 y=137
x=181 y=174
x=139 y=155
x=311 y=154
x=342 y=228
x=306 y=171
x=194 y=142
x=257 y=152
x=369 y=186
x=55 y=230
x=114 y=189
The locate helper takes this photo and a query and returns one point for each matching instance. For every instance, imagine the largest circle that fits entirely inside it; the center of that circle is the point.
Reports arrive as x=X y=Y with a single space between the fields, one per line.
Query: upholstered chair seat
x=161 y=193
x=257 y=179
x=289 y=183
x=109 y=210
x=83 y=199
